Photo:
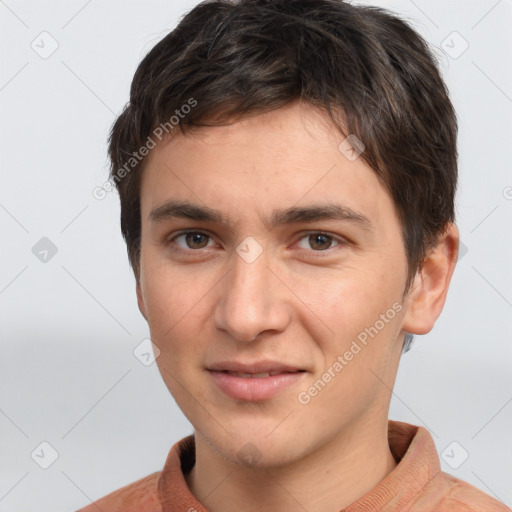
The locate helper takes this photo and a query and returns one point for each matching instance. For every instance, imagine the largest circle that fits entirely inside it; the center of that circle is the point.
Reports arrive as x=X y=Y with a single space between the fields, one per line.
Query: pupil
x=195 y=238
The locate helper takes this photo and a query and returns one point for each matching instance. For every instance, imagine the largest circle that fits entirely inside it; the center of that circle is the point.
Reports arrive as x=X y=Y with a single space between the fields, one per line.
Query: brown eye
x=318 y=242
x=193 y=240
x=196 y=240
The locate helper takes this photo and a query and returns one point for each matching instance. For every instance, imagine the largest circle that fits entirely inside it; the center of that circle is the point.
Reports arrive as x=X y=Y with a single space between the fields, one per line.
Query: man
x=287 y=172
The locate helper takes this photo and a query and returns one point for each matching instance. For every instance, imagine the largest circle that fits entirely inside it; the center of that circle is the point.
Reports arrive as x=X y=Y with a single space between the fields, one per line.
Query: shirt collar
x=412 y=446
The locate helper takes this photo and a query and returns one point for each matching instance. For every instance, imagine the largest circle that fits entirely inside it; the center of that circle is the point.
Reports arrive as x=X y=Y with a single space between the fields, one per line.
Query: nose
x=252 y=300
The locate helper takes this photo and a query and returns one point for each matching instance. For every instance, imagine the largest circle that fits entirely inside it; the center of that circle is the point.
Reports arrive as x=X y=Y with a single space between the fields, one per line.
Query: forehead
x=260 y=164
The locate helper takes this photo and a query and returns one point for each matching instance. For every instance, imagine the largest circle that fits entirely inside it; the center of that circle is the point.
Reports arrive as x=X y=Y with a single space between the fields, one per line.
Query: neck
x=332 y=477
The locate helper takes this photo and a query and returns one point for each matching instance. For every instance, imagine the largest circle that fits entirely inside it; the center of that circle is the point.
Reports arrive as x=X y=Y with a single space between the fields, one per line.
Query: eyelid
x=338 y=239
x=170 y=239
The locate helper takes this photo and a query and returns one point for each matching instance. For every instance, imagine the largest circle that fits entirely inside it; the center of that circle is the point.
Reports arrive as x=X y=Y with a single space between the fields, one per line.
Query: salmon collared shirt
x=417 y=484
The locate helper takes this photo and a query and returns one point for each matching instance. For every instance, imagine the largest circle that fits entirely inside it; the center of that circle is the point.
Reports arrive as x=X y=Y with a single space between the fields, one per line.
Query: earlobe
x=140 y=300
x=427 y=295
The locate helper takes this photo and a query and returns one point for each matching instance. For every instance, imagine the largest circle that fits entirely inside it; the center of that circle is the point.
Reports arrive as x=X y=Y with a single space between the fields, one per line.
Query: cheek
x=363 y=306
x=343 y=299
x=175 y=304
x=361 y=351
x=174 y=300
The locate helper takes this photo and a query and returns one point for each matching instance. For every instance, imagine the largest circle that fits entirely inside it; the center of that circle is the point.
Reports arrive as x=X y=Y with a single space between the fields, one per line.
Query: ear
x=140 y=300
x=427 y=294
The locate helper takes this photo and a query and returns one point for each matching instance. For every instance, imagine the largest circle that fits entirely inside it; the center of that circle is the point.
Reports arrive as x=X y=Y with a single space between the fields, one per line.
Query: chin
x=253 y=447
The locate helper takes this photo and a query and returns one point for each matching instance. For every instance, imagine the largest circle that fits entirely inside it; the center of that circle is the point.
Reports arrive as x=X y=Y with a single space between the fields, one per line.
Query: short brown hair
x=235 y=58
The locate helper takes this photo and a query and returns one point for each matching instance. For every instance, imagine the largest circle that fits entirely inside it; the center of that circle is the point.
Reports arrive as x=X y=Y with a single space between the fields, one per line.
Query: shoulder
x=456 y=495
x=137 y=496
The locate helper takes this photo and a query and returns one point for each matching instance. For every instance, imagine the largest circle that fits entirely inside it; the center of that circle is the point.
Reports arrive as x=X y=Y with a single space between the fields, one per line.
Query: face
x=265 y=248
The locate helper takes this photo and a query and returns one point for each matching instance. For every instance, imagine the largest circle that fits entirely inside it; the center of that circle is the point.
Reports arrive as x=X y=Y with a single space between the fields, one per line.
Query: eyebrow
x=183 y=209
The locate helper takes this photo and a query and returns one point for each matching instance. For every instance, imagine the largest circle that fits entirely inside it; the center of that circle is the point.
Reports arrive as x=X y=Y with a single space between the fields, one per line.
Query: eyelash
x=318 y=253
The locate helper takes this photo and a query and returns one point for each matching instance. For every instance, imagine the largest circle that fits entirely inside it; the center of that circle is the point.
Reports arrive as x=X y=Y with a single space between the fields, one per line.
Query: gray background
x=68 y=375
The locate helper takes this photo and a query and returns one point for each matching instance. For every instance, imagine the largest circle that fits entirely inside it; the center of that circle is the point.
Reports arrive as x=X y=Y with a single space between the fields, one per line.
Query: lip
x=254 y=389
x=255 y=367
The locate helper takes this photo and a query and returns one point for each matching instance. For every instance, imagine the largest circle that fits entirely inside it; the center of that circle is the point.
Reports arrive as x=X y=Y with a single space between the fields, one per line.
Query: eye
x=320 y=241
x=195 y=240
x=192 y=240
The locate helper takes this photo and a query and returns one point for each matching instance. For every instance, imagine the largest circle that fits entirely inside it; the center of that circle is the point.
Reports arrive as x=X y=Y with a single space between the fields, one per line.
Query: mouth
x=261 y=375
x=256 y=382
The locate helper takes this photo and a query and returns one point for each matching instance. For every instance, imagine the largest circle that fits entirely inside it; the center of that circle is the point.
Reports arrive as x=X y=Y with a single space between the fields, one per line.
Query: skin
x=299 y=302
